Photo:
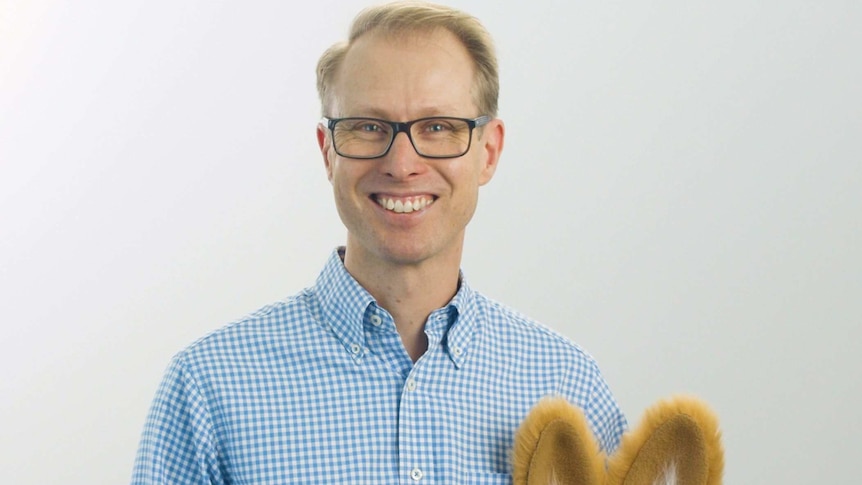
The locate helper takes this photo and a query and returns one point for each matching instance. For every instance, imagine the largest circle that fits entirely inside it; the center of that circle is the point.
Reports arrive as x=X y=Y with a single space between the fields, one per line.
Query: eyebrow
x=371 y=112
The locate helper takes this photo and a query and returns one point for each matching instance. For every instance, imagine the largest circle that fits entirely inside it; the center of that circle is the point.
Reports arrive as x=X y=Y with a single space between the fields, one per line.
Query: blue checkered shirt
x=319 y=389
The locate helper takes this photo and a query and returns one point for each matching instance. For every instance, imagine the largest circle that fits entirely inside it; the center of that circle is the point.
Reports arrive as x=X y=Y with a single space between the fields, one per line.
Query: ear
x=324 y=143
x=493 y=135
x=554 y=446
x=677 y=442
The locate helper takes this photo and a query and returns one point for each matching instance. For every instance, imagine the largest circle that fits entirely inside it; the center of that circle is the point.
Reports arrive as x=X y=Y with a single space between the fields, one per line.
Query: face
x=402 y=79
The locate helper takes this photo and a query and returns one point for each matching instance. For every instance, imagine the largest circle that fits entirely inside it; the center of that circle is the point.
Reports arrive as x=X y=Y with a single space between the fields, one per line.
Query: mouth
x=403 y=205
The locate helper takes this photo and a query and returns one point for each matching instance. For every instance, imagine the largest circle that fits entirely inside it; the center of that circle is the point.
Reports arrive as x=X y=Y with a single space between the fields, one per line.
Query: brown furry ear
x=677 y=440
x=554 y=445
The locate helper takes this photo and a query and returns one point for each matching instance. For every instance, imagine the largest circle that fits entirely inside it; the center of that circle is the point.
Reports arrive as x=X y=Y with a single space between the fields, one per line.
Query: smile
x=404 y=205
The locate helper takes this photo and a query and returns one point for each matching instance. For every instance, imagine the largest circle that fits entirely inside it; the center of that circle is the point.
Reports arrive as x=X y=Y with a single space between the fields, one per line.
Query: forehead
x=405 y=75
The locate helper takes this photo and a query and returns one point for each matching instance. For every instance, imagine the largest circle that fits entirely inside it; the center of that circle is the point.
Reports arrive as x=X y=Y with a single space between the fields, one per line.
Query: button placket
x=416 y=448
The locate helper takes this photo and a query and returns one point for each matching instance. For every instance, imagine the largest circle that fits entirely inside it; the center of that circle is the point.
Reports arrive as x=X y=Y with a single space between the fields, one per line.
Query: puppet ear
x=677 y=442
x=554 y=446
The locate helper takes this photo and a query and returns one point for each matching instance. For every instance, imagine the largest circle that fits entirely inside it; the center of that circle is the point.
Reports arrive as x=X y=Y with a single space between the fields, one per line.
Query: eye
x=437 y=126
x=368 y=126
x=362 y=125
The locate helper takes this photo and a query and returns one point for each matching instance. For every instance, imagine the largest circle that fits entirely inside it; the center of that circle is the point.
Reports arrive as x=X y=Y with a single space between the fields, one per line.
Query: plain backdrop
x=679 y=193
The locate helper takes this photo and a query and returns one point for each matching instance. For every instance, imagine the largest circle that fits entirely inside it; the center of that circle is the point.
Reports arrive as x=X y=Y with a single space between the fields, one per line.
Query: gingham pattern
x=319 y=389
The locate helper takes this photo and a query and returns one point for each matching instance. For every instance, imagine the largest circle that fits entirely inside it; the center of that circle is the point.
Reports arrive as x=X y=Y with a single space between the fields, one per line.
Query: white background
x=680 y=194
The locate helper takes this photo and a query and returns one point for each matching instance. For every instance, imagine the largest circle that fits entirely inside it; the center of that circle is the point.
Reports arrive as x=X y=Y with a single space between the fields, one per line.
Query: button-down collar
x=344 y=303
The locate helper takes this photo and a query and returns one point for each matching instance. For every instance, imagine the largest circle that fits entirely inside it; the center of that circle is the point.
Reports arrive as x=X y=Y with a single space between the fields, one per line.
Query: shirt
x=318 y=388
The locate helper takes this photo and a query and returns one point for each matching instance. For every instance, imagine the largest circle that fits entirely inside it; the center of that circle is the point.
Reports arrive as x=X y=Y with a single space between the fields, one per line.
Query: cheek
x=331 y=165
x=335 y=170
x=466 y=196
x=339 y=189
x=466 y=179
x=345 y=182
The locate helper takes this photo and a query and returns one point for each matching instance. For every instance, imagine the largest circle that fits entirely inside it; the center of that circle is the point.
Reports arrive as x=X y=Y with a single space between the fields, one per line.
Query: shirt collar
x=344 y=303
x=463 y=322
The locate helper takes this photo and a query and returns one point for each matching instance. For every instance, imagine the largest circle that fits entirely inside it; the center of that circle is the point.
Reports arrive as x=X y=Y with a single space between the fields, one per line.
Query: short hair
x=408 y=17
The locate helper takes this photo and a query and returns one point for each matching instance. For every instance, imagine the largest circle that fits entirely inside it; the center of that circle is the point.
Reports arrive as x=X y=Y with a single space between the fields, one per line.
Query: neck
x=408 y=291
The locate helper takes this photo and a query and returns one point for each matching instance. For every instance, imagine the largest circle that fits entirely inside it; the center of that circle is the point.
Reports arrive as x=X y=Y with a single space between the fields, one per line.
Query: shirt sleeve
x=606 y=420
x=177 y=445
x=609 y=422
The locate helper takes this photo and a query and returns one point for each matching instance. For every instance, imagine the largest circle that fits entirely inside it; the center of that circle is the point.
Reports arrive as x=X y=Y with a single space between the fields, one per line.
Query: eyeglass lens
x=371 y=138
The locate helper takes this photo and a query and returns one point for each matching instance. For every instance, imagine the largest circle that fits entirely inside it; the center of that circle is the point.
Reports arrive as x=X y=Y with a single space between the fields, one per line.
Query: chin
x=415 y=251
x=405 y=248
x=406 y=255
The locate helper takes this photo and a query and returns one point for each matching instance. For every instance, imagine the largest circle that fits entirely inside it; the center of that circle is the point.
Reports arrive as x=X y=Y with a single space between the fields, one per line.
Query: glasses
x=437 y=137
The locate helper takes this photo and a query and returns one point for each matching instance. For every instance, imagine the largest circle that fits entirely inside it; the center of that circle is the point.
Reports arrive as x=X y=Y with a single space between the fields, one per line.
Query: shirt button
x=376 y=320
x=355 y=348
x=416 y=474
x=411 y=385
x=457 y=351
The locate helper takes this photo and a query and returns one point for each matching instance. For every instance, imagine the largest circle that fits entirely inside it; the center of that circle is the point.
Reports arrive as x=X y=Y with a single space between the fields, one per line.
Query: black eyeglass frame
x=399 y=127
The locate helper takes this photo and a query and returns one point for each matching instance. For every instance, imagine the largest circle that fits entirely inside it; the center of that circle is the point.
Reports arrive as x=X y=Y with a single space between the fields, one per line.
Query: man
x=391 y=369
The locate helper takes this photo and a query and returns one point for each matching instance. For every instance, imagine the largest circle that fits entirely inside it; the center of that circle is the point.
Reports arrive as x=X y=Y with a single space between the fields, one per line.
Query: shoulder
x=508 y=325
x=265 y=328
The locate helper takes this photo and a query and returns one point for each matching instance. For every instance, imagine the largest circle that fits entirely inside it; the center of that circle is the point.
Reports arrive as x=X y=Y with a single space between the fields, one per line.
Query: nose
x=402 y=161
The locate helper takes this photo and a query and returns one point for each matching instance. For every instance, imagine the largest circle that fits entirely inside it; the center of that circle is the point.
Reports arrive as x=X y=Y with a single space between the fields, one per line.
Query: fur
x=633 y=442
x=529 y=464
x=677 y=442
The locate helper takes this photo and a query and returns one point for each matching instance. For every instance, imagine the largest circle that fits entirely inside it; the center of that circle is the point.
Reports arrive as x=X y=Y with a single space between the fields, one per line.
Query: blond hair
x=410 y=17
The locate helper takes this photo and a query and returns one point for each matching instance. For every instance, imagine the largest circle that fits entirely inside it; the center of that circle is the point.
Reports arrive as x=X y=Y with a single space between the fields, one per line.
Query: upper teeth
x=406 y=205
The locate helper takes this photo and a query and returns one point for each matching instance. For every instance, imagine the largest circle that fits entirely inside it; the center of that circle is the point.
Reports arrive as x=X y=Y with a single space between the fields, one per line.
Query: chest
x=367 y=423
